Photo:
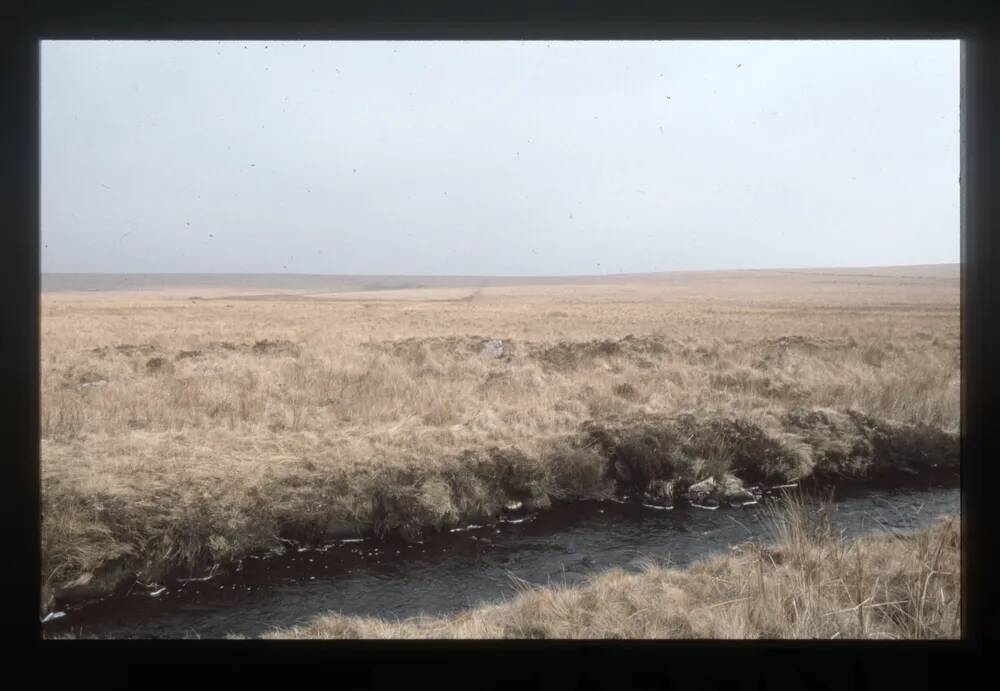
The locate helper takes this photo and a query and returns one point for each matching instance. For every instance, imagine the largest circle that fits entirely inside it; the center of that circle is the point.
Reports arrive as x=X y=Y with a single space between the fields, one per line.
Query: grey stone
x=494 y=348
x=708 y=492
x=733 y=491
x=700 y=492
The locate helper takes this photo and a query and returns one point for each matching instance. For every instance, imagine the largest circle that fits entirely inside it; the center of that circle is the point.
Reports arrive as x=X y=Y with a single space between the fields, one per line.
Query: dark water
x=458 y=570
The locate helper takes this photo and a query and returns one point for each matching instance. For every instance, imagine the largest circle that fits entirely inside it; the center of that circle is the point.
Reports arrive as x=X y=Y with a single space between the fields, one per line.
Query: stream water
x=463 y=568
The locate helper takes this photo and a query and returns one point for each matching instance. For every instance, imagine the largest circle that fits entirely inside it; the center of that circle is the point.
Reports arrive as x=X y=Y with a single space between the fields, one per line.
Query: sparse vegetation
x=383 y=411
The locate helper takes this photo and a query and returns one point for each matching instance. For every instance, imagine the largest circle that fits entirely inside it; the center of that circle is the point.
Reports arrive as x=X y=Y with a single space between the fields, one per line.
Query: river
x=462 y=568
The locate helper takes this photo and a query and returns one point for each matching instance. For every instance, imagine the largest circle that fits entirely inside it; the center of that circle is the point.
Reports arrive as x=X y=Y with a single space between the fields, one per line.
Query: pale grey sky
x=497 y=158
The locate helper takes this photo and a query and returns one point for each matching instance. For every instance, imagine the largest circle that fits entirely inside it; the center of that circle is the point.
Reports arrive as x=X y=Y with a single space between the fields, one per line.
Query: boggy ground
x=810 y=584
x=181 y=431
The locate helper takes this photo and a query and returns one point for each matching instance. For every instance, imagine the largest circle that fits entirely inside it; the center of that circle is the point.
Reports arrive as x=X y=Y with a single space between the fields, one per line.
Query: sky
x=497 y=158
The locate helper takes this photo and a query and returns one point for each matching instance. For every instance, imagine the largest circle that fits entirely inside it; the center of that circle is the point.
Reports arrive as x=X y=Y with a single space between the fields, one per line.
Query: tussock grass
x=810 y=584
x=264 y=418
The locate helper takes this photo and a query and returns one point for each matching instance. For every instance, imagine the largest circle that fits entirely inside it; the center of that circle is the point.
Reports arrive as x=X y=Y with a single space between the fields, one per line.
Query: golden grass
x=179 y=431
x=811 y=585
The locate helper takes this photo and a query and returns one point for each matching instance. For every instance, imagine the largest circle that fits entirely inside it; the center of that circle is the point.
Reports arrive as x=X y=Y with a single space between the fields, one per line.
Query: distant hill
x=80 y=282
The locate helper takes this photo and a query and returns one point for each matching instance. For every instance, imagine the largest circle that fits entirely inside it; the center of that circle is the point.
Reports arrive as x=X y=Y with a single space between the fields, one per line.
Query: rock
x=733 y=491
x=494 y=348
x=708 y=492
x=700 y=492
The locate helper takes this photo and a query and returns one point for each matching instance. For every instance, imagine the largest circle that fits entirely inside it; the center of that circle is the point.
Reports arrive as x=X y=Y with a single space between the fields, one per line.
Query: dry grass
x=812 y=585
x=179 y=431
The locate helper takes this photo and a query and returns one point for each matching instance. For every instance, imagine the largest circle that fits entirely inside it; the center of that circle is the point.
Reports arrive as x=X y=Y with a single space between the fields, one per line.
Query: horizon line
x=461 y=275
